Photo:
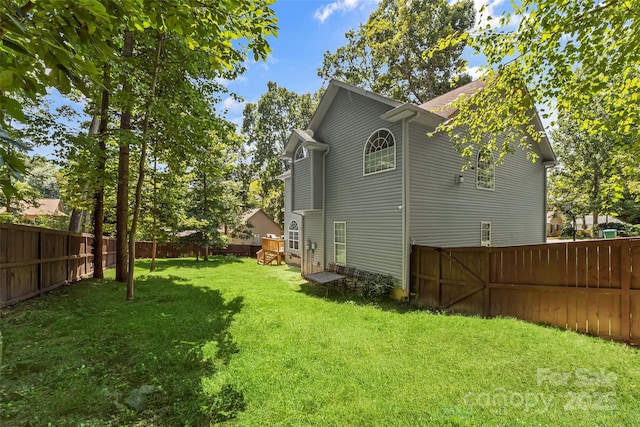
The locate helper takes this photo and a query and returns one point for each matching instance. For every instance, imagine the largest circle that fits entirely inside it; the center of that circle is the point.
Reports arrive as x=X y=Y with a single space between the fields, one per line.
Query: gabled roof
x=431 y=113
x=45 y=207
x=440 y=105
x=246 y=216
x=306 y=137
x=331 y=92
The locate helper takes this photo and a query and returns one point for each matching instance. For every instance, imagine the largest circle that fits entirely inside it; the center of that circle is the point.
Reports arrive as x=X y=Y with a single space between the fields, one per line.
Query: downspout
x=406 y=220
x=324 y=208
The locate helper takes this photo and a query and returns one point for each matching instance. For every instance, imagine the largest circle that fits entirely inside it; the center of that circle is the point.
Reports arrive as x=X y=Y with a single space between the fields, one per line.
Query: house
x=256 y=223
x=41 y=208
x=555 y=221
x=367 y=182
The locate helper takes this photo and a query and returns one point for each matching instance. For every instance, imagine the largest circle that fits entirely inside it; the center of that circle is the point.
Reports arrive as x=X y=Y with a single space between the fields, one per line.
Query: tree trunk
x=98 y=197
x=122 y=203
x=154 y=246
x=141 y=168
x=77 y=215
x=75 y=222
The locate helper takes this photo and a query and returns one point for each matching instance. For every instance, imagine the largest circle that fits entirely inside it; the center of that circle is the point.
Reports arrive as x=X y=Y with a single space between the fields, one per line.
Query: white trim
x=482 y=241
x=295 y=155
x=364 y=153
x=493 y=170
x=335 y=257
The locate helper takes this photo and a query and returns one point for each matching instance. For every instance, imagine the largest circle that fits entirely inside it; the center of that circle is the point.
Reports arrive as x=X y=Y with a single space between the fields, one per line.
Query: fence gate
x=451 y=279
x=591 y=287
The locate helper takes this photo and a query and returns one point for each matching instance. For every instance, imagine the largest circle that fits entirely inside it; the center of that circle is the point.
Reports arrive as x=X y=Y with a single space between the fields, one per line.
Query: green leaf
x=6 y=80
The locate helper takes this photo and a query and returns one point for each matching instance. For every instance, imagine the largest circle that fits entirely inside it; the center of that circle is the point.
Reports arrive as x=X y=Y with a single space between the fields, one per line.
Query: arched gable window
x=301 y=153
x=485 y=170
x=379 y=152
x=294 y=235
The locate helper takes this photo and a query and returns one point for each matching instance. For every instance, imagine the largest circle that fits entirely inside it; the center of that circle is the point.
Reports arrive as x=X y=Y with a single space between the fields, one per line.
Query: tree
x=585 y=170
x=38 y=50
x=387 y=53
x=214 y=201
x=562 y=55
x=43 y=176
x=267 y=125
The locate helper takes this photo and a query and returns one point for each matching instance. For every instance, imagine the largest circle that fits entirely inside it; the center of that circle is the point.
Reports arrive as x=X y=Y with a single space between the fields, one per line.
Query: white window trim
x=493 y=181
x=484 y=242
x=364 y=152
x=335 y=260
x=306 y=154
x=297 y=231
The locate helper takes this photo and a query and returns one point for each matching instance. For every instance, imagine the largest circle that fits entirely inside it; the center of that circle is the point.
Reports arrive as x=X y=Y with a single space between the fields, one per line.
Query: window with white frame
x=485 y=234
x=485 y=170
x=379 y=152
x=340 y=243
x=294 y=236
x=301 y=153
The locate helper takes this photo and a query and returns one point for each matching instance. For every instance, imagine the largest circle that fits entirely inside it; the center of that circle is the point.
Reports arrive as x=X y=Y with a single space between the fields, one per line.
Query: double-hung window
x=485 y=170
x=294 y=236
x=340 y=243
x=485 y=234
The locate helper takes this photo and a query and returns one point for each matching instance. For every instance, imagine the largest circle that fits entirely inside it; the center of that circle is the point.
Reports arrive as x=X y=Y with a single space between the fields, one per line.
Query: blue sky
x=309 y=28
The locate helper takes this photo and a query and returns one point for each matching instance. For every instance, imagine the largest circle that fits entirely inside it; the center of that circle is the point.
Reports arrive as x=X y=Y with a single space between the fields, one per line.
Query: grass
x=229 y=341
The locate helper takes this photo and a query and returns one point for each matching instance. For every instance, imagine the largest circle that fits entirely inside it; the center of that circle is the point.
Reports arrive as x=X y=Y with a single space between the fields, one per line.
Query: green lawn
x=231 y=341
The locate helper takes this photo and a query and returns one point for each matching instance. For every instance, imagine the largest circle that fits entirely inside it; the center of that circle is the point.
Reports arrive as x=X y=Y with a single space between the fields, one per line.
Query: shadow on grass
x=350 y=296
x=214 y=261
x=83 y=354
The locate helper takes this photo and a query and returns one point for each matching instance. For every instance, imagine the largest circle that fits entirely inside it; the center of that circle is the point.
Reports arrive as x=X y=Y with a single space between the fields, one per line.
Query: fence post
x=68 y=236
x=437 y=274
x=625 y=286
x=39 y=261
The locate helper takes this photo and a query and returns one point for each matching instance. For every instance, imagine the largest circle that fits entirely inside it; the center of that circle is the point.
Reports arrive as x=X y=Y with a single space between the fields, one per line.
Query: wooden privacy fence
x=36 y=260
x=175 y=250
x=591 y=287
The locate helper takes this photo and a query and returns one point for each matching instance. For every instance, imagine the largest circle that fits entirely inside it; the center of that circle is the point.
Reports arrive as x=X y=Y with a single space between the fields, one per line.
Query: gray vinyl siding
x=301 y=176
x=317 y=160
x=312 y=231
x=290 y=216
x=444 y=213
x=307 y=188
x=368 y=204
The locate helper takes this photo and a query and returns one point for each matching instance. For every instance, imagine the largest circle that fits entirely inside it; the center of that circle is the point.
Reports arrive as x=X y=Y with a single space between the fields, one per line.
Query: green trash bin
x=610 y=233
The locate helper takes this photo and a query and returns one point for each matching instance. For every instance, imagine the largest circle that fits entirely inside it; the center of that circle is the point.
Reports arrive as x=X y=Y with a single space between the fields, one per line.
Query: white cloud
x=231 y=104
x=226 y=82
x=324 y=12
x=475 y=72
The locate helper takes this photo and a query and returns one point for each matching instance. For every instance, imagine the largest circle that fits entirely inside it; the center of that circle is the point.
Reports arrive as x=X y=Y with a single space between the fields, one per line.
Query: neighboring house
x=41 y=208
x=555 y=221
x=367 y=182
x=259 y=225
x=586 y=222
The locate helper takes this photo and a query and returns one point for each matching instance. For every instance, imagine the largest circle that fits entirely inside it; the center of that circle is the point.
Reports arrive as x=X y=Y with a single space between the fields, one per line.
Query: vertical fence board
x=591 y=287
x=35 y=260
